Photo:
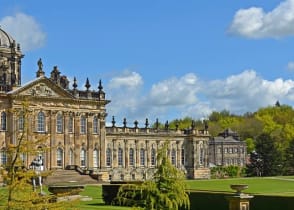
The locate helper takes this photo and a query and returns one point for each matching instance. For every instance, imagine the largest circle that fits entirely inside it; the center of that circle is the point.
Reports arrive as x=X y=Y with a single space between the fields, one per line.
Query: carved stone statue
x=37 y=166
x=40 y=64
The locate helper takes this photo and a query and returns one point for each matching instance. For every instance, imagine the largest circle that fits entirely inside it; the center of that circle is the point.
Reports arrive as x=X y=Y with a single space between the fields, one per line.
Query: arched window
x=95 y=125
x=153 y=157
x=83 y=157
x=83 y=124
x=41 y=122
x=120 y=156
x=95 y=158
x=70 y=124
x=3 y=121
x=59 y=157
x=131 y=157
x=183 y=155
x=21 y=121
x=108 y=157
x=173 y=157
x=59 y=123
x=142 y=157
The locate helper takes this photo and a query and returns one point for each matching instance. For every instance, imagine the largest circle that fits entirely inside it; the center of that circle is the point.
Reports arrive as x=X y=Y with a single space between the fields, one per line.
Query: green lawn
x=95 y=192
x=282 y=186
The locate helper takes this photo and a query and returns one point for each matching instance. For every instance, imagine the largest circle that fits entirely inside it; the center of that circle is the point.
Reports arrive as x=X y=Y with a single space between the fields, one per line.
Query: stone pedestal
x=239 y=201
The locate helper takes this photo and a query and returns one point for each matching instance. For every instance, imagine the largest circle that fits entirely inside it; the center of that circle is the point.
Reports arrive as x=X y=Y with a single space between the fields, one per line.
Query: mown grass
x=95 y=192
x=280 y=186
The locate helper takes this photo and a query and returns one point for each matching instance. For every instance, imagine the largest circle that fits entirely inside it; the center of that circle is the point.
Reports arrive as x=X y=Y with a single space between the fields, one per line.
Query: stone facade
x=227 y=149
x=73 y=123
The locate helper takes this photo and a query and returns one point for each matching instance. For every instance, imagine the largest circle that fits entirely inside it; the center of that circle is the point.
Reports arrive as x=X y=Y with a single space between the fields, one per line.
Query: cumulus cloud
x=188 y=95
x=175 y=91
x=247 y=92
x=129 y=80
x=254 y=22
x=25 y=30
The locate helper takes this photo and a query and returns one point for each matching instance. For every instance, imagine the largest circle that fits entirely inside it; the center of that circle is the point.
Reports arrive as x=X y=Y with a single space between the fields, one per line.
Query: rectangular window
x=70 y=124
x=59 y=124
x=142 y=157
x=20 y=122
x=183 y=156
x=83 y=125
x=95 y=125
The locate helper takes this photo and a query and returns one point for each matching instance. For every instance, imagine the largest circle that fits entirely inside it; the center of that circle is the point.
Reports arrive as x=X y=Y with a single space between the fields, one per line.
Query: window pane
x=95 y=158
x=142 y=157
x=59 y=123
x=83 y=124
x=108 y=157
x=70 y=124
x=95 y=125
x=41 y=122
x=83 y=157
x=3 y=121
x=131 y=157
x=21 y=122
x=153 y=156
x=173 y=156
x=120 y=156
x=59 y=157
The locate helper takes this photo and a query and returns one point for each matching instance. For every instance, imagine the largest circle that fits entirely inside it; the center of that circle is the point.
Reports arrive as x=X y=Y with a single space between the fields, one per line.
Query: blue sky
x=163 y=59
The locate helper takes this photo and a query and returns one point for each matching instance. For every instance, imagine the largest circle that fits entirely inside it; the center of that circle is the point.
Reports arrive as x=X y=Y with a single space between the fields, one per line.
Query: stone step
x=71 y=176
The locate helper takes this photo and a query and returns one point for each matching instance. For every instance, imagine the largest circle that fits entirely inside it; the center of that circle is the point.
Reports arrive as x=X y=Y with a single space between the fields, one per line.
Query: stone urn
x=239 y=188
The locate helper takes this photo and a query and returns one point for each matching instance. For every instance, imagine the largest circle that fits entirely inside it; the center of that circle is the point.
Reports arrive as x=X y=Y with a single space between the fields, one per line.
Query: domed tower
x=10 y=62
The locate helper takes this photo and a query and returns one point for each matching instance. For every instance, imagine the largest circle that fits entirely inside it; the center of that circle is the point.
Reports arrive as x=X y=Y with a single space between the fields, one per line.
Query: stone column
x=195 y=155
x=147 y=155
x=90 y=145
x=126 y=155
x=51 y=128
x=66 y=138
x=102 y=140
x=114 y=154
x=137 y=151
x=77 y=142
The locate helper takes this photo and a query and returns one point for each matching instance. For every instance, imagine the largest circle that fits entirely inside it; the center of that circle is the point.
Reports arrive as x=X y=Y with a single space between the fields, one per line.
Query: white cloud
x=175 y=91
x=256 y=23
x=247 y=92
x=25 y=30
x=127 y=79
x=189 y=96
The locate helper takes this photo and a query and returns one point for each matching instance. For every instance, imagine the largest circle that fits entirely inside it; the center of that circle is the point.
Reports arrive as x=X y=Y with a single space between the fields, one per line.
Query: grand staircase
x=68 y=176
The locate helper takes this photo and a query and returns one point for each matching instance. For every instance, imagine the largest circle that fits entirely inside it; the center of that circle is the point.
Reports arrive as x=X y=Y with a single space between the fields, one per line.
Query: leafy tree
x=19 y=192
x=166 y=191
x=250 y=145
x=290 y=158
x=271 y=158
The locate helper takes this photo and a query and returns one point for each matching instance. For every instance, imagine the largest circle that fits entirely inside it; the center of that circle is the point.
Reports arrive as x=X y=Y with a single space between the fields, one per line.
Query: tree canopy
x=166 y=191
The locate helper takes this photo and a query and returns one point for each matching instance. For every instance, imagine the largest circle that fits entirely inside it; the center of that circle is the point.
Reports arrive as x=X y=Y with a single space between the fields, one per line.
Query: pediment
x=41 y=87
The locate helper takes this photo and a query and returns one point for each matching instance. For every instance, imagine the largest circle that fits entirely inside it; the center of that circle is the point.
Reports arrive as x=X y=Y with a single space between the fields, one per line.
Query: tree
x=18 y=178
x=290 y=158
x=270 y=156
x=167 y=190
